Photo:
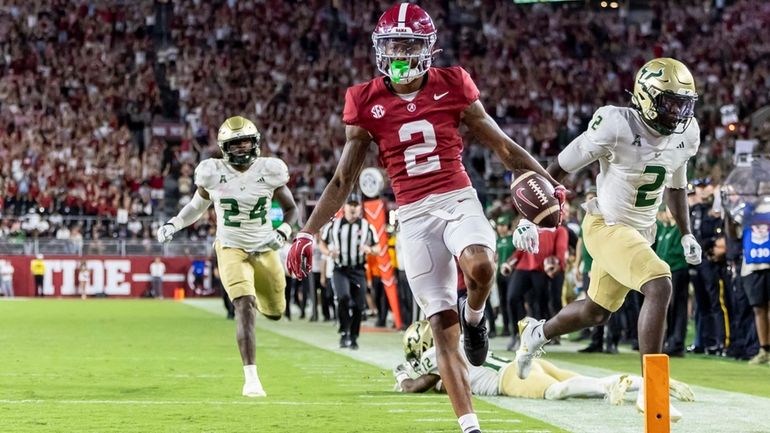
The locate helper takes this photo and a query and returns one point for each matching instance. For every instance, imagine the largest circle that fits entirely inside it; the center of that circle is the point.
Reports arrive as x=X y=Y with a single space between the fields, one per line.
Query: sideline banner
x=374 y=212
x=114 y=276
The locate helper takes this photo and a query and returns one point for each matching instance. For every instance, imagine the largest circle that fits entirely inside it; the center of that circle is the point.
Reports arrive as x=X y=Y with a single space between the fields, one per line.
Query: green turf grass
x=154 y=366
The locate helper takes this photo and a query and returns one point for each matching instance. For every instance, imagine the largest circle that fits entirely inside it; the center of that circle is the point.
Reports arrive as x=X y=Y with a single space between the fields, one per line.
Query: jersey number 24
x=258 y=211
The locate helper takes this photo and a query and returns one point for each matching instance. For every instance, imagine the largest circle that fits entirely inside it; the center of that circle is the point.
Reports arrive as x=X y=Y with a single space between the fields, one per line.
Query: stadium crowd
x=82 y=84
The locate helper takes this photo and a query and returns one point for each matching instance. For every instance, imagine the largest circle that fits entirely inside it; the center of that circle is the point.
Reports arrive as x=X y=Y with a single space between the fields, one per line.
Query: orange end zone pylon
x=657 y=418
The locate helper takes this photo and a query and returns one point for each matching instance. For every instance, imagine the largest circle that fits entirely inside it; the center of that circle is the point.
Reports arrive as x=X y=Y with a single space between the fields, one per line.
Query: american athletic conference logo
x=378 y=111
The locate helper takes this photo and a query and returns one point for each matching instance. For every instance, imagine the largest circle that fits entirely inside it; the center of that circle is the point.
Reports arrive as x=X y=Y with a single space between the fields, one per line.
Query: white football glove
x=692 y=249
x=277 y=237
x=505 y=269
x=525 y=237
x=401 y=373
x=166 y=232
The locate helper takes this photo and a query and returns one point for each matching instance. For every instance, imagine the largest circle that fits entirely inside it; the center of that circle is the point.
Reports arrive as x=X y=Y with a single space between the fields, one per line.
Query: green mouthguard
x=398 y=68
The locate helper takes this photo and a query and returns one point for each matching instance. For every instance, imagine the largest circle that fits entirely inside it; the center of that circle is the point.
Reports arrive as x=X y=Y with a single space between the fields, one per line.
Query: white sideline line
x=170 y=278
x=451 y=420
x=213 y=402
x=427 y=410
x=496 y=431
x=175 y=376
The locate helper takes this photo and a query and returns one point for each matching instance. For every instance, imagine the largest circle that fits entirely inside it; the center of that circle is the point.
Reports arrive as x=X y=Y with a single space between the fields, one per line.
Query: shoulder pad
x=205 y=172
x=277 y=171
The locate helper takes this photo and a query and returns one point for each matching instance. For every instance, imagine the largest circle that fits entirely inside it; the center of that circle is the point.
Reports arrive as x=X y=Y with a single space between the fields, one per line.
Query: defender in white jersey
x=641 y=151
x=497 y=376
x=242 y=186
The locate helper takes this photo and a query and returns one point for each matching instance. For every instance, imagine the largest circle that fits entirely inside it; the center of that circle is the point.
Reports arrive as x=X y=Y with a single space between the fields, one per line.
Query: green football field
x=164 y=366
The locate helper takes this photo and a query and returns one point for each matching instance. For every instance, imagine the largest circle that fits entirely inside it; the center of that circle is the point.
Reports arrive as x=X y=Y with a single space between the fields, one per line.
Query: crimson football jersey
x=418 y=140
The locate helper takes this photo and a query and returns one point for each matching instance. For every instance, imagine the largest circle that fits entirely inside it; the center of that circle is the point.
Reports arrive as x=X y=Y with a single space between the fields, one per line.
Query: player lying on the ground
x=497 y=376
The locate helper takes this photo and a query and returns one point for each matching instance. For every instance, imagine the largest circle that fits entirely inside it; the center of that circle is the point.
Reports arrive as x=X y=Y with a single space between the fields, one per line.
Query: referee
x=347 y=240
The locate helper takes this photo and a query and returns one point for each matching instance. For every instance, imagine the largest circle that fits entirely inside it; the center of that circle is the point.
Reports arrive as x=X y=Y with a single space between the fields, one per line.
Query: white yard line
x=214 y=402
x=715 y=411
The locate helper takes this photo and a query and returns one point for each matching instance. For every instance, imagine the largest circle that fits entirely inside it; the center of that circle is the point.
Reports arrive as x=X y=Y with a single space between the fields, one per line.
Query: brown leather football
x=533 y=198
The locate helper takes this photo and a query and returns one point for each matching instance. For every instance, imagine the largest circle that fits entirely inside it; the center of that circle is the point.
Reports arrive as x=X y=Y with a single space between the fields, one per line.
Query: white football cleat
x=673 y=413
x=253 y=389
x=680 y=390
x=616 y=392
x=531 y=346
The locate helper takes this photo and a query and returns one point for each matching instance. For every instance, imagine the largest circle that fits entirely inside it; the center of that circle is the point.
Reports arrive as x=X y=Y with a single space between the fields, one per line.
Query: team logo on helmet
x=417 y=339
x=664 y=93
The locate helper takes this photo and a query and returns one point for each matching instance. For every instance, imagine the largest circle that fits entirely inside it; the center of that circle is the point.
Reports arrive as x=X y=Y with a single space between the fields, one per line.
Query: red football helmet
x=403 y=42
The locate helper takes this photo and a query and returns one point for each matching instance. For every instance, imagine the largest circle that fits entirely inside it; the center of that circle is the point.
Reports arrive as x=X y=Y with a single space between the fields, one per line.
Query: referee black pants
x=677 y=311
x=349 y=284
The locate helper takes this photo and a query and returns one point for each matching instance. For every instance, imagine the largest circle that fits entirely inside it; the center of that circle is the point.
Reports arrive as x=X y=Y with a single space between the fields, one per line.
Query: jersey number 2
x=428 y=145
x=258 y=211
x=642 y=200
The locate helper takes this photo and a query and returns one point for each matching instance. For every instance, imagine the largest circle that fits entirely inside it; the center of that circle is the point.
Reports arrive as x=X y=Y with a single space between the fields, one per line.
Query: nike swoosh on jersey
x=437 y=97
x=521 y=197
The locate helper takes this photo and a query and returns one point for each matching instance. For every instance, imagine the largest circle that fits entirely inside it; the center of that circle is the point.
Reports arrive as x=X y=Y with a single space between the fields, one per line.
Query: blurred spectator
x=198 y=270
x=709 y=312
x=756 y=272
x=6 y=279
x=157 y=271
x=530 y=283
x=504 y=251
x=84 y=275
x=94 y=79
x=669 y=248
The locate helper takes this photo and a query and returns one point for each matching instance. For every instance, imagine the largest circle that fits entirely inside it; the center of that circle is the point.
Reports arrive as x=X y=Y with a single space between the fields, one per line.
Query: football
x=533 y=197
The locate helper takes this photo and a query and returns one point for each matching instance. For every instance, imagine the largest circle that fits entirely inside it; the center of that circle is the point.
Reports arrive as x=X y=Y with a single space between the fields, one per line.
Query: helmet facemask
x=403 y=57
x=673 y=112
x=241 y=151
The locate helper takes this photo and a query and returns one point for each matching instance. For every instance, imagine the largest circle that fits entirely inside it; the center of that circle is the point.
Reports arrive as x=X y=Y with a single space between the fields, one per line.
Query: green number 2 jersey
x=635 y=164
x=242 y=200
x=485 y=380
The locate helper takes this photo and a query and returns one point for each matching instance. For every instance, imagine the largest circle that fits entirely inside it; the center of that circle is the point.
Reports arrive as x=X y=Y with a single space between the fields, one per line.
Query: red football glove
x=560 y=193
x=299 y=262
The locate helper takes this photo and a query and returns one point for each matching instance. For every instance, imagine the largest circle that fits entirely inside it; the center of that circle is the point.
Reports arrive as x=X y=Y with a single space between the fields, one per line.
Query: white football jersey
x=485 y=380
x=636 y=163
x=242 y=200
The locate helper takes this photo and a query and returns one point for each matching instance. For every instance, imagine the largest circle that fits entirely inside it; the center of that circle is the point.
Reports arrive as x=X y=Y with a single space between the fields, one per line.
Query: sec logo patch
x=378 y=111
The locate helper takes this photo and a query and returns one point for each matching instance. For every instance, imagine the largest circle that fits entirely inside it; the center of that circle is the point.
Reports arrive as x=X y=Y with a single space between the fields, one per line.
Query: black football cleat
x=591 y=348
x=475 y=339
x=345 y=341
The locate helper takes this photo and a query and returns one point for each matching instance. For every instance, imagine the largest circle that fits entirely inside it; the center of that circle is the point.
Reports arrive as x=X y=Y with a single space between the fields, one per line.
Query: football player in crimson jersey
x=413 y=114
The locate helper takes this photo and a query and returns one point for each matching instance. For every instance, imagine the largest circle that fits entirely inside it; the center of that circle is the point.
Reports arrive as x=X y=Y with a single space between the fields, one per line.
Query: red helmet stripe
x=402 y=14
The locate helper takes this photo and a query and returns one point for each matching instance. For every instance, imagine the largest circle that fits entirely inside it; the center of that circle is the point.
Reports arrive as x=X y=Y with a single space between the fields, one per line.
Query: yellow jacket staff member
x=37 y=267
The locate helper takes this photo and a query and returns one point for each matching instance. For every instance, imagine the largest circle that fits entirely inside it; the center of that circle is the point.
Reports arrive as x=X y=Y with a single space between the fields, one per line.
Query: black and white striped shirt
x=349 y=238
